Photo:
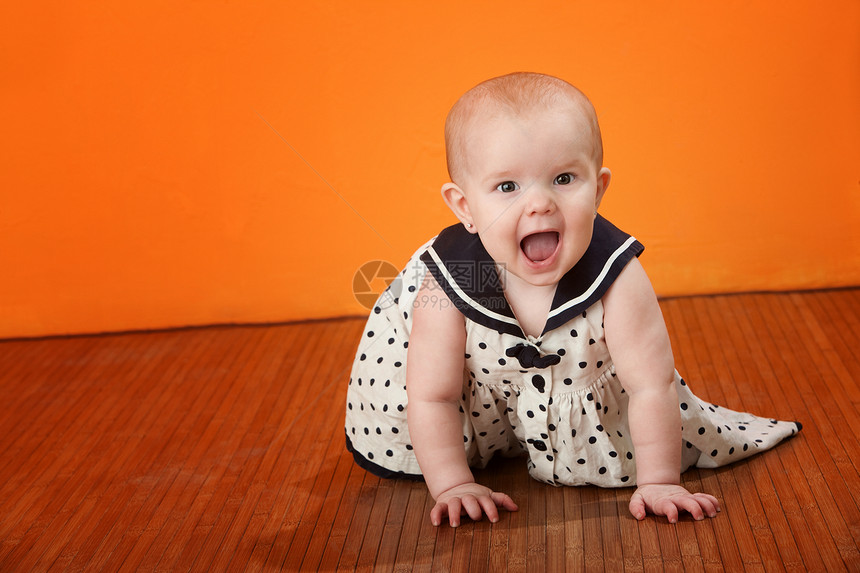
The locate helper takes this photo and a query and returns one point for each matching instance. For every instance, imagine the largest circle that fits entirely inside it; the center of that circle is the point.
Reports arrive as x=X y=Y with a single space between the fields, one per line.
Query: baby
x=532 y=327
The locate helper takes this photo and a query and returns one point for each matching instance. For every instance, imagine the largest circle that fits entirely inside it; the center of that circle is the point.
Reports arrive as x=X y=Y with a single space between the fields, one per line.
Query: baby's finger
x=454 y=508
x=472 y=507
x=712 y=501
x=709 y=504
x=503 y=500
x=438 y=513
x=691 y=505
x=489 y=507
x=668 y=508
x=637 y=506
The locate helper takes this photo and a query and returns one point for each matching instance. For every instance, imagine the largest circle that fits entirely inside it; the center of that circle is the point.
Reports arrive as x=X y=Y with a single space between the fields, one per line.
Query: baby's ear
x=456 y=201
x=603 y=177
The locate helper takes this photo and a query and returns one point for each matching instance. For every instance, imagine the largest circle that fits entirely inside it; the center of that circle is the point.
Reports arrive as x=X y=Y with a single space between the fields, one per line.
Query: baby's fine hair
x=515 y=93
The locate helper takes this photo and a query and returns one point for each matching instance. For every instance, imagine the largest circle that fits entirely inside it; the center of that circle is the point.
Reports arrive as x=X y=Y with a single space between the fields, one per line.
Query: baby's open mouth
x=538 y=247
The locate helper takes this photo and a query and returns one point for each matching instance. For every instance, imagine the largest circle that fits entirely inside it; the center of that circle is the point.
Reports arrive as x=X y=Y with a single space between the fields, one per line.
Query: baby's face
x=532 y=185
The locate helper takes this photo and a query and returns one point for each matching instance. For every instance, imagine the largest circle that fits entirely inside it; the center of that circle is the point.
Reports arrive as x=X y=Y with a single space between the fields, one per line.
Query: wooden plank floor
x=222 y=449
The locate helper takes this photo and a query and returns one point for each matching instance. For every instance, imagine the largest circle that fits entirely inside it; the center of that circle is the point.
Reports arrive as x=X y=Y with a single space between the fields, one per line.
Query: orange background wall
x=178 y=163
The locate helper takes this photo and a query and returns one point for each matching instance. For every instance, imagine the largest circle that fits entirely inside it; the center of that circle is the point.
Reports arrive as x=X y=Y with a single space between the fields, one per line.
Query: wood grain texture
x=221 y=449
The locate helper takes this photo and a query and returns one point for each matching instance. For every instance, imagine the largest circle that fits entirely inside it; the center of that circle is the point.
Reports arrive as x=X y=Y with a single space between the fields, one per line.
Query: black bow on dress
x=530 y=357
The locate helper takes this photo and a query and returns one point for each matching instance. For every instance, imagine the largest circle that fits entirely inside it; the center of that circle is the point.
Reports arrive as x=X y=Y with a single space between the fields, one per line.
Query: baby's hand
x=471 y=499
x=668 y=499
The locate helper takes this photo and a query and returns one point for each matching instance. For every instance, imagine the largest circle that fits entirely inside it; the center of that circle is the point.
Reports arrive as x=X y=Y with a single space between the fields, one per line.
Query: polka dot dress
x=555 y=397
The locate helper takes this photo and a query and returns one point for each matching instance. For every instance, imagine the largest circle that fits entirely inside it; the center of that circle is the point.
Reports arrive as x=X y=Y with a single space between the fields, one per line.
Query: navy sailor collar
x=467 y=274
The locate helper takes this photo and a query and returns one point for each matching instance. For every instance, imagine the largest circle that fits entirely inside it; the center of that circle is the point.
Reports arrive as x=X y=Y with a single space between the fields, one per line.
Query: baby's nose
x=539 y=199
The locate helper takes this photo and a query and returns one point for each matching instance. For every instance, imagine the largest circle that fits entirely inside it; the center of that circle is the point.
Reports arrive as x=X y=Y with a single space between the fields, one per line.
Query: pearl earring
x=468 y=225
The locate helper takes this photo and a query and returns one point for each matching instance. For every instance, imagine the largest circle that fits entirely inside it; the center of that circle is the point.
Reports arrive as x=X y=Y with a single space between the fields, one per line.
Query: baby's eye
x=564 y=179
x=507 y=187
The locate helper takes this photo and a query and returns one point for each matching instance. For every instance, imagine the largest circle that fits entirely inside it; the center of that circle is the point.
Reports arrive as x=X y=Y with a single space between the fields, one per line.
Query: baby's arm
x=639 y=344
x=434 y=384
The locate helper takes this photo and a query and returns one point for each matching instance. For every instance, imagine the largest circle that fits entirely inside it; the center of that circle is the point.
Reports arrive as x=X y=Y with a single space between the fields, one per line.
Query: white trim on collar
x=597 y=282
x=465 y=297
